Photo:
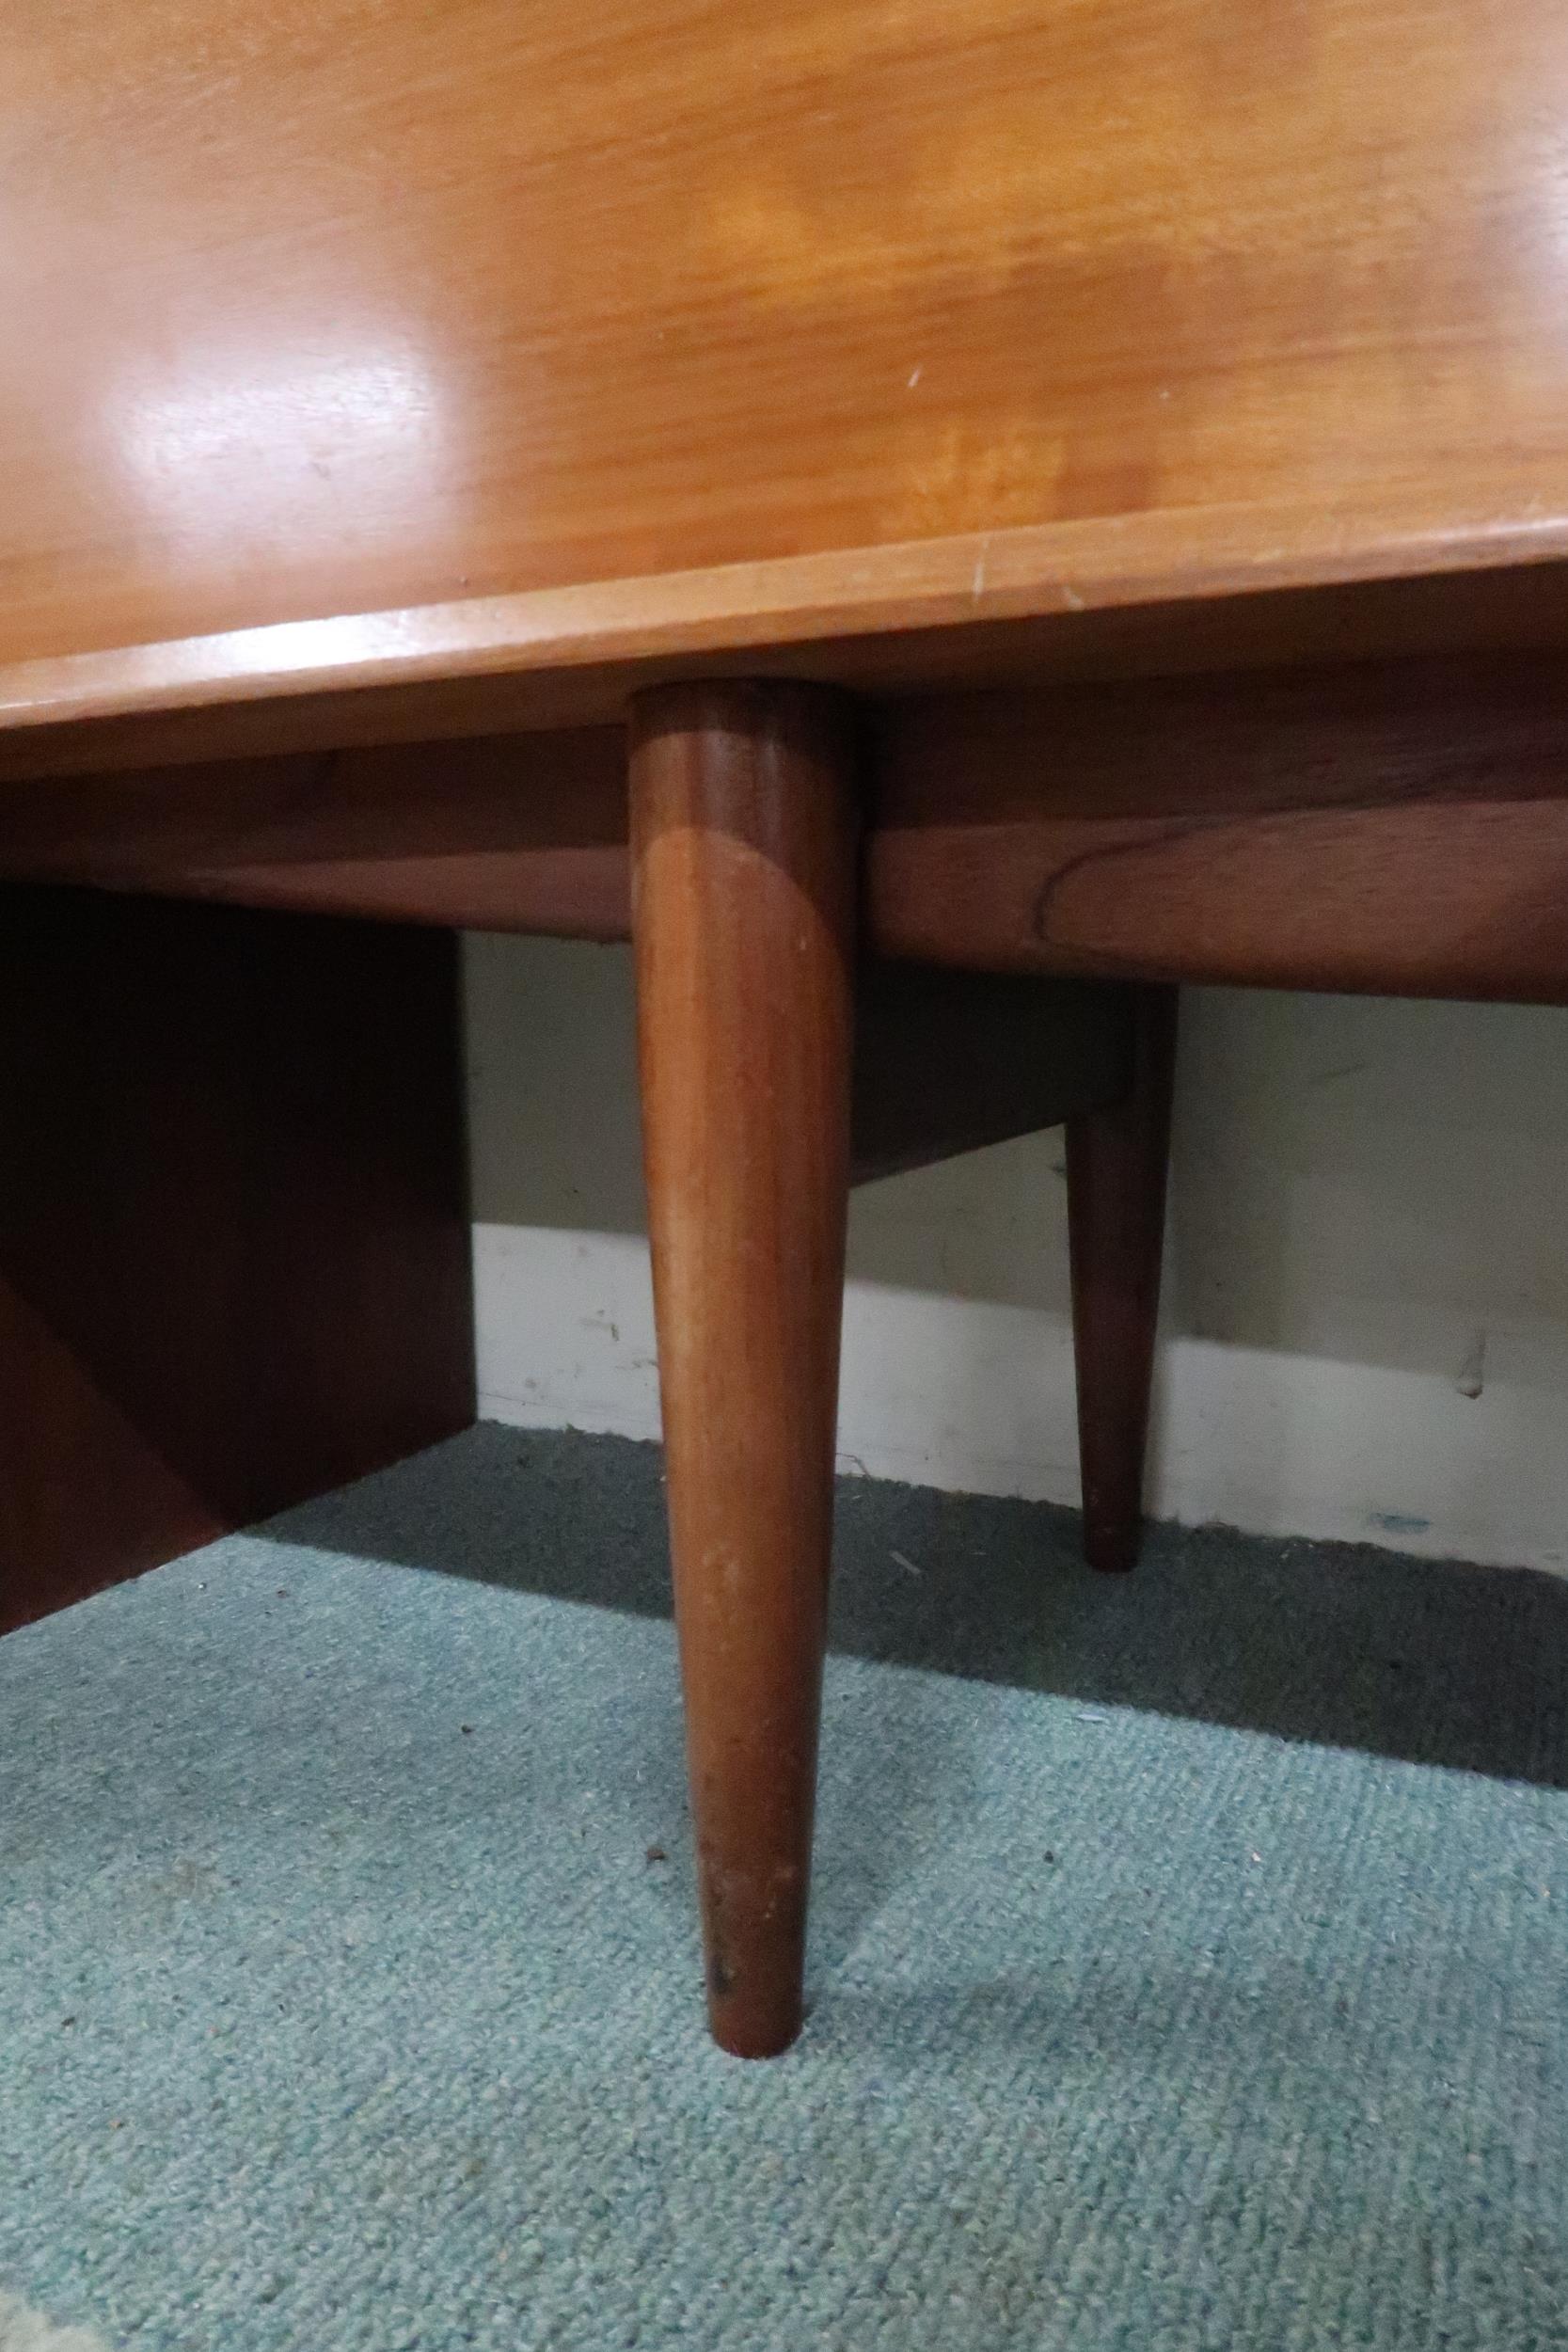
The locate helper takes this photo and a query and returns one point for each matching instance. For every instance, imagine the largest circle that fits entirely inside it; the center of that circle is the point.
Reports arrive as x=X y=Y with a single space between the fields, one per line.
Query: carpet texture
x=25 y=2331
x=1188 y=1962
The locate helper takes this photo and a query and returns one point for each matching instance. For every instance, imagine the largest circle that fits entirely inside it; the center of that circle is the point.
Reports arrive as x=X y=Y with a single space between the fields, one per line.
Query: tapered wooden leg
x=743 y=833
x=1117 y=1160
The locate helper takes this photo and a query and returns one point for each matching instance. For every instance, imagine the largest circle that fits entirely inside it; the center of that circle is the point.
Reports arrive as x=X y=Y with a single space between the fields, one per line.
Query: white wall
x=1366 y=1287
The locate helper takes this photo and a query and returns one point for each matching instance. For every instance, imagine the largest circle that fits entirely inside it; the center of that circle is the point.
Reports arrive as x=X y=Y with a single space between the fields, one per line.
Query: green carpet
x=1188 y=1962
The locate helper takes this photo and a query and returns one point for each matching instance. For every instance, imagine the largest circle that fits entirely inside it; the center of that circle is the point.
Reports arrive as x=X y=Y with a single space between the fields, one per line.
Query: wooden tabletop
x=507 y=340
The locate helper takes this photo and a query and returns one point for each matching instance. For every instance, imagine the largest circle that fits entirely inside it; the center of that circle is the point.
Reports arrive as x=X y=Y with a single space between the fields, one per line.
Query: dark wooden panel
x=233 y=1228
x=947 y=1061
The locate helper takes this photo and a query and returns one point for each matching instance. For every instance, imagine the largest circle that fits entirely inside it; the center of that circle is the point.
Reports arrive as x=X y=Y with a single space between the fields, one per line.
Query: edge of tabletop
x=1035 y=579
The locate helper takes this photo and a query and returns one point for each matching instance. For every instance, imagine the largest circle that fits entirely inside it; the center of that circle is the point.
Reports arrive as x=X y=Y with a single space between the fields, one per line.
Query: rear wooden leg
x=743 y=845
x=1117 y=1160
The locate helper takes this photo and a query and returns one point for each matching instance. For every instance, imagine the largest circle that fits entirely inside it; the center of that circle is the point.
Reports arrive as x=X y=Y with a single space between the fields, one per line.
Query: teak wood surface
x=463 y=367
x=1106 y=458
x=743 y=858
x=1397 y=826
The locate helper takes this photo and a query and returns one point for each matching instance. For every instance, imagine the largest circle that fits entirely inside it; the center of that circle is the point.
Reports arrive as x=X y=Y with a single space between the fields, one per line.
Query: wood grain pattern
x=1075 y=600
x=1391 y=826
x=743 y=835
x=987 y=314
x=1400 y=829
x=514 y=833
x=1117 y=1157
x=233 y=1269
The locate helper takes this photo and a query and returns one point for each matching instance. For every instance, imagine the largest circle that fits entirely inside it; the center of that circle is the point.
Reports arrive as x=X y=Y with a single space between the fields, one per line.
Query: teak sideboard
x=941 y=521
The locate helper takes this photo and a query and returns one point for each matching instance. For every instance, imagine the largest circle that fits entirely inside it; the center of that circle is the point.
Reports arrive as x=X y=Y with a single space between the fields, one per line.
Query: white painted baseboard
x=1367 y=1282
x=978 y=1398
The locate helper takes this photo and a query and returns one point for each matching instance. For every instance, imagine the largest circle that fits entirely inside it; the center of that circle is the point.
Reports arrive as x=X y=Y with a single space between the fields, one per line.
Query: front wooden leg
x=1116 y=1160
x=743 y=852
